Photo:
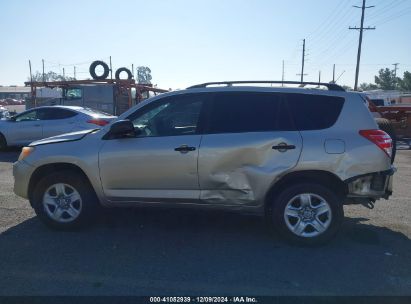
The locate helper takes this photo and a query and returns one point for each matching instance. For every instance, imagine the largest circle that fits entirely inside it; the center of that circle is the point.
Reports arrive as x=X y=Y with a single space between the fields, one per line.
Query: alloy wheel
x=307 y=215
x=62 y=203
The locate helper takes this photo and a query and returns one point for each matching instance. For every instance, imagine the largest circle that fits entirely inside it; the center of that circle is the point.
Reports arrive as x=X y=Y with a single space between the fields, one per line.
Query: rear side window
x=314 y=112
x=57 y=113
x=248 y=112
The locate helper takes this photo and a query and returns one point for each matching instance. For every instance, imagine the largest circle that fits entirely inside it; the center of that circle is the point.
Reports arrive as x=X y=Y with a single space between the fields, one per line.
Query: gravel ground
x=156 y=251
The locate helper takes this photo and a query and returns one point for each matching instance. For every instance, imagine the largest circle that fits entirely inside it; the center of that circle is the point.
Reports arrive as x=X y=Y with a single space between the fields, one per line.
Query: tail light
x=380 y=138
x=98 y=122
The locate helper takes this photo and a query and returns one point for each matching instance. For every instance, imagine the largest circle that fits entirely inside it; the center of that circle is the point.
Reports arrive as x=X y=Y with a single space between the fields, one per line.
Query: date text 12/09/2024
x=203 y=300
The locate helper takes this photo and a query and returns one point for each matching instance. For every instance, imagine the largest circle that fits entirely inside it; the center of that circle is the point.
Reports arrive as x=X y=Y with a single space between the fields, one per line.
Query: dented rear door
x=249 y=142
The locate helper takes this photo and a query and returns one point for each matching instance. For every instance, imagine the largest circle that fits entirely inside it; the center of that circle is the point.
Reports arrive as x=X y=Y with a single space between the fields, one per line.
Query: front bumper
x=372 y=185
x=22 y=172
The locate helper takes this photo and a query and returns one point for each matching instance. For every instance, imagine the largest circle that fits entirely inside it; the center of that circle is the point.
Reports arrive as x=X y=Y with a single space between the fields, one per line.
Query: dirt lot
x=185 y=252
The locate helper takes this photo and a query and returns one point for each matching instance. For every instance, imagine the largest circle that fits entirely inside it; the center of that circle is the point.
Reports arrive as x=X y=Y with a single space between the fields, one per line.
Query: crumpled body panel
x=239 y=168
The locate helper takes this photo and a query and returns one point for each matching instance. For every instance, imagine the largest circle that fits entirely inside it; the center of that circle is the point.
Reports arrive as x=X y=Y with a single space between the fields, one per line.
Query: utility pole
x=64 y=73
x=111 y=70
x=282 y=78
x=319 y=78
x=31 y=75
x=74 y=72
x=42 y=60
x=334 y=73
x=395 y=69
x=302 y=63
x=361 y=28
x=395 y=73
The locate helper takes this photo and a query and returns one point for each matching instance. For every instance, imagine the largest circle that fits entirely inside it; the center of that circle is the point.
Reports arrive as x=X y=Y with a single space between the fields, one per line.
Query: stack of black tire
x=106 y=71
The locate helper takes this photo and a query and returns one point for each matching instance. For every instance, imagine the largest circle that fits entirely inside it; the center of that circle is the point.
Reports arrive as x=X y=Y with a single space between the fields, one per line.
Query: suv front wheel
x=64 y=200
x=306 y=214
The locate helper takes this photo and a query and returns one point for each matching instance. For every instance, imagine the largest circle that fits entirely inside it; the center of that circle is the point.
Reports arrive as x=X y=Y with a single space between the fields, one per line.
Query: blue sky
x=188 y=42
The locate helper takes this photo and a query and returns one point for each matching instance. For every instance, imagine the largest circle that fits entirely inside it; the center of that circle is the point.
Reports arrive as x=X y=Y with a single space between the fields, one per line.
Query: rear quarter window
x=314 y=112
x=238 y=112
x=57 y=113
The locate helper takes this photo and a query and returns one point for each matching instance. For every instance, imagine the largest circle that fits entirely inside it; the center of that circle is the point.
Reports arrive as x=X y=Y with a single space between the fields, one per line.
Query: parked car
x=292 y=154
x=43 y=122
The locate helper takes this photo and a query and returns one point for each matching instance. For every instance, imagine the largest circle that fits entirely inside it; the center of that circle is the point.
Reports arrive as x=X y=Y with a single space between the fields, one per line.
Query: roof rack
x=330 y=86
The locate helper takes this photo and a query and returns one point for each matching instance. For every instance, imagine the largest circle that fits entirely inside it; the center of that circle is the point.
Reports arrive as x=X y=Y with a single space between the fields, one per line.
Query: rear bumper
x=371 y=186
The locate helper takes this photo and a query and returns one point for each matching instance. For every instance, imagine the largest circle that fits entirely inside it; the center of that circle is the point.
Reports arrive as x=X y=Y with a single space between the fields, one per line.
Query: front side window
x=236 y=112
x=28 y=116
x=176 y=115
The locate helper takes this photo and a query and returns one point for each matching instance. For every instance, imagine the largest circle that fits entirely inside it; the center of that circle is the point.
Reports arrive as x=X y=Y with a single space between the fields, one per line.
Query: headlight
x=26 y=151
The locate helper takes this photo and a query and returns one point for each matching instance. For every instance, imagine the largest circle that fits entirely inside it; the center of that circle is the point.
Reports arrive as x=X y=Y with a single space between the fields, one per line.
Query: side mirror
x=121 y=129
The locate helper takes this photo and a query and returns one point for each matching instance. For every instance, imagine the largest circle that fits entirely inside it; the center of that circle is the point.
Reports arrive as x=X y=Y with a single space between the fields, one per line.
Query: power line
x=394 y=16
x=330 y=30
x=339 y=39
x=322 y=27
x=385 y=8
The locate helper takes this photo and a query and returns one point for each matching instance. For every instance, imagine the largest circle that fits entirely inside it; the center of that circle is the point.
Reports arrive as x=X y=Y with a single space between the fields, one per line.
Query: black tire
x=93 y=67
x=3 y=143
x=385 y=125
x=276 y=210
x=90 y=205
x=120 y=70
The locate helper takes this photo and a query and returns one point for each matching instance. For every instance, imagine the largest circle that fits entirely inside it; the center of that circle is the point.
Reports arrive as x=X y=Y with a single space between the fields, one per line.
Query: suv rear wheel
x=306 y=214
x=64 y=200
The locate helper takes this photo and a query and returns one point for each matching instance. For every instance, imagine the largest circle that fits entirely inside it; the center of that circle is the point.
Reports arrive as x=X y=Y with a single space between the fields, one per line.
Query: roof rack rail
x=330 y=86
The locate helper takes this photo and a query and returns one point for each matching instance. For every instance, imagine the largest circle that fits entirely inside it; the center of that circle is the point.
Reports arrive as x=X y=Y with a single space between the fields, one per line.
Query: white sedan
x=43 y=122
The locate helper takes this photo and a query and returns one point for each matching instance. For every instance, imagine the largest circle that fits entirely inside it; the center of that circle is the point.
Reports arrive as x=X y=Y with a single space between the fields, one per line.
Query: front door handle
x=184 y=149
x=282 y=147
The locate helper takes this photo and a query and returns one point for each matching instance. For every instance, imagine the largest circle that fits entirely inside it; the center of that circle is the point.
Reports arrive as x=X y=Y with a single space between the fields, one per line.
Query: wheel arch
x=43 y=170
x=321 y=177
x=4 y=136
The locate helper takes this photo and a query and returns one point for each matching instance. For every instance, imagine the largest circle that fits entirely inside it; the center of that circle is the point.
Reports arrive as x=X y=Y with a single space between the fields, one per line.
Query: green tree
x=144 y=75
x=386 y=79
x=405 y=82
x=50 y=76
x=368 y=86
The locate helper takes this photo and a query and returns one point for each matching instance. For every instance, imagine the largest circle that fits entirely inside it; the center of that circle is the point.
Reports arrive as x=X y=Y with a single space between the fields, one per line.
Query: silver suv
x=295 y=155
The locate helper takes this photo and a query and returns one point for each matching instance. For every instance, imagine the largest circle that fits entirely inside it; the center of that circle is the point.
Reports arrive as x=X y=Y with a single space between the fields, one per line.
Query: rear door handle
x=184 y=149
x=282 y=147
